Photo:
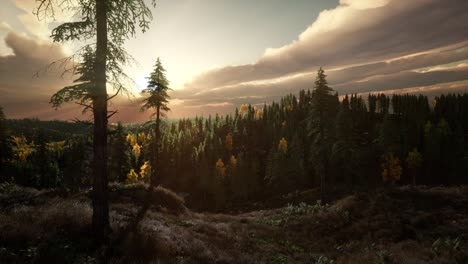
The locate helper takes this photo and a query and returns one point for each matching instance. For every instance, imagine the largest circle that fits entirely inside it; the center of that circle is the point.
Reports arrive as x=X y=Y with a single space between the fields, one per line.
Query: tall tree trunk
x=100 y=196
x=324 y=171
x=155 y=147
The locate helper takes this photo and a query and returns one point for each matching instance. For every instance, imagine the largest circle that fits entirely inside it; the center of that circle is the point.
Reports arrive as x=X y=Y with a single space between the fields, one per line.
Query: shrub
x=303 y=208
x=449 y=245
x=169 y=199
x=324 y=260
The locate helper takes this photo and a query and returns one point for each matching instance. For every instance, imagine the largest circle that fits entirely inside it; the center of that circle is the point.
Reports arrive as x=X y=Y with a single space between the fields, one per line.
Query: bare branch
x=112 y=113
x=115 y=94
x=86 y=106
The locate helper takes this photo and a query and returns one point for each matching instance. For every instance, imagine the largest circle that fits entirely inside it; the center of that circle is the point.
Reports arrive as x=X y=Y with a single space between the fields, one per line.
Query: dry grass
x=57 y=231
x=163 y=198
x=397 y=225
x=168 y=199
x=31 y=222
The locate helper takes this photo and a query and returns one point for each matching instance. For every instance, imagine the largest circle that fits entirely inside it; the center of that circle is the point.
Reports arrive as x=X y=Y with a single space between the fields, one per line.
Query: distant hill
x=55 y=130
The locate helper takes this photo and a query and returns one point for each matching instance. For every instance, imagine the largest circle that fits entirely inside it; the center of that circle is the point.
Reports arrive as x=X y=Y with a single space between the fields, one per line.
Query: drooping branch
x=73 y=31
x=78 y=92
x=67 y=65
x=124 y=17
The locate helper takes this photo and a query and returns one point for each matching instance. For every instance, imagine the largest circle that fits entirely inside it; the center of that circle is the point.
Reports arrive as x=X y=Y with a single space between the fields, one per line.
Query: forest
x=298 y=155
x=259 y=151
x=314 y=177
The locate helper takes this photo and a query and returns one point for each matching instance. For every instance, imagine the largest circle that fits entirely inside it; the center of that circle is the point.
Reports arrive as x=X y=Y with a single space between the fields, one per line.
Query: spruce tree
x=158 y=86
x=4 y=145
x=320 y=126
x=120 y=156
x=106 y=24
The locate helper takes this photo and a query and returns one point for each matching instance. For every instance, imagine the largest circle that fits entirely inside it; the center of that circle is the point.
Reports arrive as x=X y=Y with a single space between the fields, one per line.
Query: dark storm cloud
x=387 y=39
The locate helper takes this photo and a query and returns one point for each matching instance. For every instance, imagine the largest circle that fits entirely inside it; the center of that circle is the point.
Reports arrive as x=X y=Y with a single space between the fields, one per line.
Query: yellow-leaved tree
x=136 y=150
x=391 y=169
x=233 y=162
x=243 y=110
x=220 y=169
x=258 y=114
x=22 y=149
x=132 y=176
x=228 y=142
x=141 y=138
x=283 y=145
x=220 y=184
x=145 y=172
x=131 y=139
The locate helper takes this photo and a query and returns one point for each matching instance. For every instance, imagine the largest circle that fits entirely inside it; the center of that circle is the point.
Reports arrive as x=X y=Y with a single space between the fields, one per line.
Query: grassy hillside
x=396 y=225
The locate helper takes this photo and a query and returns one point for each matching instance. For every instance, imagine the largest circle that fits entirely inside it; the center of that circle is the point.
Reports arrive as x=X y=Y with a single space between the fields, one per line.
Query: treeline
x=54 y=130
x=313 y=139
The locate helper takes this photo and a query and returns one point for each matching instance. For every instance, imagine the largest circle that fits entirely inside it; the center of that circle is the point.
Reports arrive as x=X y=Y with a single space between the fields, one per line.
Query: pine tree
x=120 y=159
x=320 y=126
x=345 y=152
x=107 y=24
x=4 y=145
x=158 y=86
x=414 y=162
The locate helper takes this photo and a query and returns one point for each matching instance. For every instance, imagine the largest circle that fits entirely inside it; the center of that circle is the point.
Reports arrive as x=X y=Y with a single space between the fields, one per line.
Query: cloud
x=18 y=69
x=364 y=45
x=432 y=90
x=406 y=79
x=23 y=94
x=258 y=93
x=364 y=4
x=402 y=73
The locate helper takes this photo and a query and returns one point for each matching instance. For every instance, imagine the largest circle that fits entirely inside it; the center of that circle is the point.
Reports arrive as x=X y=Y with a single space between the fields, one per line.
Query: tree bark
x=324 y=172
x=155 y=147
x=100 y=196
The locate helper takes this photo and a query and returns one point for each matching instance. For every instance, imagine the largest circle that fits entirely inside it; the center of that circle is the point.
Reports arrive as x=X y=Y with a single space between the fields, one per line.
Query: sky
x=220 y=54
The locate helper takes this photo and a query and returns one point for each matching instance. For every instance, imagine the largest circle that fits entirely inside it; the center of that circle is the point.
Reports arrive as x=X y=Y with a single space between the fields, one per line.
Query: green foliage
x=119 y=163
x=278 y=259
x=323 y=260
x=324 y=107
x=414 y=159
x=82 y=90
x=449 y=245
x=124 y=17
x=385 y=257
x=158 y=86
x=304 y=208
x=290 y=247
x=55 y=130
x=271 y=150
x=5 y=147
